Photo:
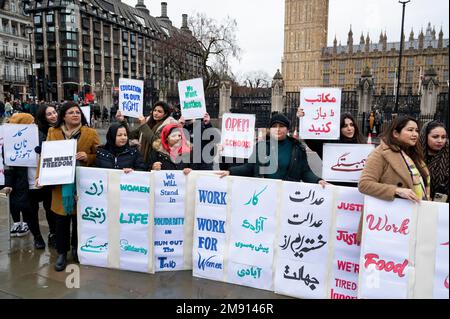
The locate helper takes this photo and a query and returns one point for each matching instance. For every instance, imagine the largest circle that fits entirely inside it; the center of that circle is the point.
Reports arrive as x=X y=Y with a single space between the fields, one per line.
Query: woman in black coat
x=117 y=153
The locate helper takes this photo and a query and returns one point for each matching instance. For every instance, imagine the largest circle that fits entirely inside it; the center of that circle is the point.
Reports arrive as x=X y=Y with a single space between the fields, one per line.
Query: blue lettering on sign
x=207 y=263
x=216 y=226
x=210 y=197
x=208 y=243
x=163 y=264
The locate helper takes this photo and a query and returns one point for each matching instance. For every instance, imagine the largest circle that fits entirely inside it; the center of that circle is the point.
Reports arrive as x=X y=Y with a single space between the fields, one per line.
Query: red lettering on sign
x=386 y=226
x=237 y=125
x=348 y=266
x=345 y=284
x=335 y=295
x=351 y=207
x=349 y=239
x=386 y=266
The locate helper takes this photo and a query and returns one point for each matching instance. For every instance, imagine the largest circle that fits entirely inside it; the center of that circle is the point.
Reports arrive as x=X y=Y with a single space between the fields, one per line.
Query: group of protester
x=407 y=164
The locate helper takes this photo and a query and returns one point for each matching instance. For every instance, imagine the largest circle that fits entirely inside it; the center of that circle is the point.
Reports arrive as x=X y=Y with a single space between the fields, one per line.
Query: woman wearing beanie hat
x=285 y=157
x=150 y=127
x=172 y=151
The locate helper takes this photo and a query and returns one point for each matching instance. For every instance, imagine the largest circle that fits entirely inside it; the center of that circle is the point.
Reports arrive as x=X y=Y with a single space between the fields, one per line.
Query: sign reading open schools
x=192 y=99
x=57 y=165
x=131 y=94
x=238 y=135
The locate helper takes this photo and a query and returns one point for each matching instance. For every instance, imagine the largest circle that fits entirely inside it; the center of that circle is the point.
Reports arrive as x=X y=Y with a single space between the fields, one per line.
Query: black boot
x=75 y=255
x=61 y=262
x=52 y=240
x=39 y=242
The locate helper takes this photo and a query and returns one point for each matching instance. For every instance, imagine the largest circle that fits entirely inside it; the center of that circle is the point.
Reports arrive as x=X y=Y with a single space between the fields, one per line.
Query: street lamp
x=29 y=31
x=404 y=2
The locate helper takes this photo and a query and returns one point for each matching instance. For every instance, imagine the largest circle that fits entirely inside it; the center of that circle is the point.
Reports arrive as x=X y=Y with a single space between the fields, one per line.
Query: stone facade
x=309 y=62
x=15 y=61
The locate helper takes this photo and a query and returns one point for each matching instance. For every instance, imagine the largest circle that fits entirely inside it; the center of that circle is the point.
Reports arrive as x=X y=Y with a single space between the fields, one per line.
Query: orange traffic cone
x=369 y=139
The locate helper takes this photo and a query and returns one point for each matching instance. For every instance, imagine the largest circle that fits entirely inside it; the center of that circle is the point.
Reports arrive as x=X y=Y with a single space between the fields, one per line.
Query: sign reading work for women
x=322 y=107
x=192 y=99
x=344 y=162
x=238 y=135
x=131 y=97
x=304 y=240
x=57 y=165
x=20 y=140
x=210 y=227
x=170 y=188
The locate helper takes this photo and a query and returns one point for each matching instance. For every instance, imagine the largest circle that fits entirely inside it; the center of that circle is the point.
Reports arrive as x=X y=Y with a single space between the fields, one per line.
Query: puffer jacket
x=129 y=158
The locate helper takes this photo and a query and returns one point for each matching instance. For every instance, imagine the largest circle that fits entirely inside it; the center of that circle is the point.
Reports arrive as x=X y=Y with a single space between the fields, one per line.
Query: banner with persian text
x=20 y=140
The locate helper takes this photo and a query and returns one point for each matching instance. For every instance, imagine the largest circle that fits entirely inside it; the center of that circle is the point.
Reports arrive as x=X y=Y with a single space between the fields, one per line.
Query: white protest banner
x=210 y=229
x=2 y=169
x=322 y=107
x=131 y=97
x=93 y=216
x=20 y=140
x=170 y=221
x=238 y=135
x=135 y=220
x=386 y=262
x=344 y=162
x=57 y=165
x=192 y=99
x=304 y=242
x=349 y=205
x=87 y=113
x=252 y=232
x=440 y=287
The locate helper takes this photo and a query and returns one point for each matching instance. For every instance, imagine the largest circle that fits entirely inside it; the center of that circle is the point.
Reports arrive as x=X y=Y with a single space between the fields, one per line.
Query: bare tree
x=218 y=43
x=255 y=79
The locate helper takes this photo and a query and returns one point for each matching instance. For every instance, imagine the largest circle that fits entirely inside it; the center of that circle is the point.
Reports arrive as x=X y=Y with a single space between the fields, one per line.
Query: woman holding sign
x=117 y=152
x=397 y=168
x=150 y=128
x=434 y=140
x=172 y=151
x=71 y=125
x=285 y=157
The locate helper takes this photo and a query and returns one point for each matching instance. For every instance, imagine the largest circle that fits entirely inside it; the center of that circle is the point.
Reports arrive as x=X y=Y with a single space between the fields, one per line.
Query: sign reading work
x=131 y=97
x=322 y=107
x=192 y=99
x=57 y=165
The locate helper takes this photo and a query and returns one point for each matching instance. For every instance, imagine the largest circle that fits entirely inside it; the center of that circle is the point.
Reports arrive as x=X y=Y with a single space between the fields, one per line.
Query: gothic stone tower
x=305 y=35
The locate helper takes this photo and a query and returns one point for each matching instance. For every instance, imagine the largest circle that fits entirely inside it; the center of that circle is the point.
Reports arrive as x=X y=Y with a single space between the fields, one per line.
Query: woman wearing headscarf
x=71 y=125
x=434 y=141
x=150 y=127
x=172 y=151
x=117 y=152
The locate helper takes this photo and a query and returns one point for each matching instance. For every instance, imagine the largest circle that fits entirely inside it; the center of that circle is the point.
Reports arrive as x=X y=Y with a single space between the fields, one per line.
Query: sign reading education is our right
x=131 y=97
x=192 y=99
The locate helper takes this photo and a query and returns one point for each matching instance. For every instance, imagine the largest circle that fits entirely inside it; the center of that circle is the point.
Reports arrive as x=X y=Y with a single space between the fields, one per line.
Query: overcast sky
x=261 y=23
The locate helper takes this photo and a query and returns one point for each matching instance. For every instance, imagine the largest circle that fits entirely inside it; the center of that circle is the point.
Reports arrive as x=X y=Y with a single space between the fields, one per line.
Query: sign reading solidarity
x=57 y=165
x=192 y=99
x=238 y=135
x=344 y=162
x=131 y=97
x=20 y=141
x=322 y=107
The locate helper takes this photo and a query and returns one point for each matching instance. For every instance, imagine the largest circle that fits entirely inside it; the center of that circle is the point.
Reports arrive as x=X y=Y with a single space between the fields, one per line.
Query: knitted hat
x=281 y=119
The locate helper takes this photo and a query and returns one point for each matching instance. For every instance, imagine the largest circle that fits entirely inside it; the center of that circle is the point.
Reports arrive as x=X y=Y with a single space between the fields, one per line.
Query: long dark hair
x=357 y=137
x=151 y=122
x=41 y=118
x=62 y=113
x=414 y=152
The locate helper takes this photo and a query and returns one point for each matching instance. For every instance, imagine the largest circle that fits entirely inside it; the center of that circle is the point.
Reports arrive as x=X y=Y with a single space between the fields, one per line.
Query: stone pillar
x=225 y=98
x=430 y=91
x=365 y=91
x=107 y=93
x=277 y=93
